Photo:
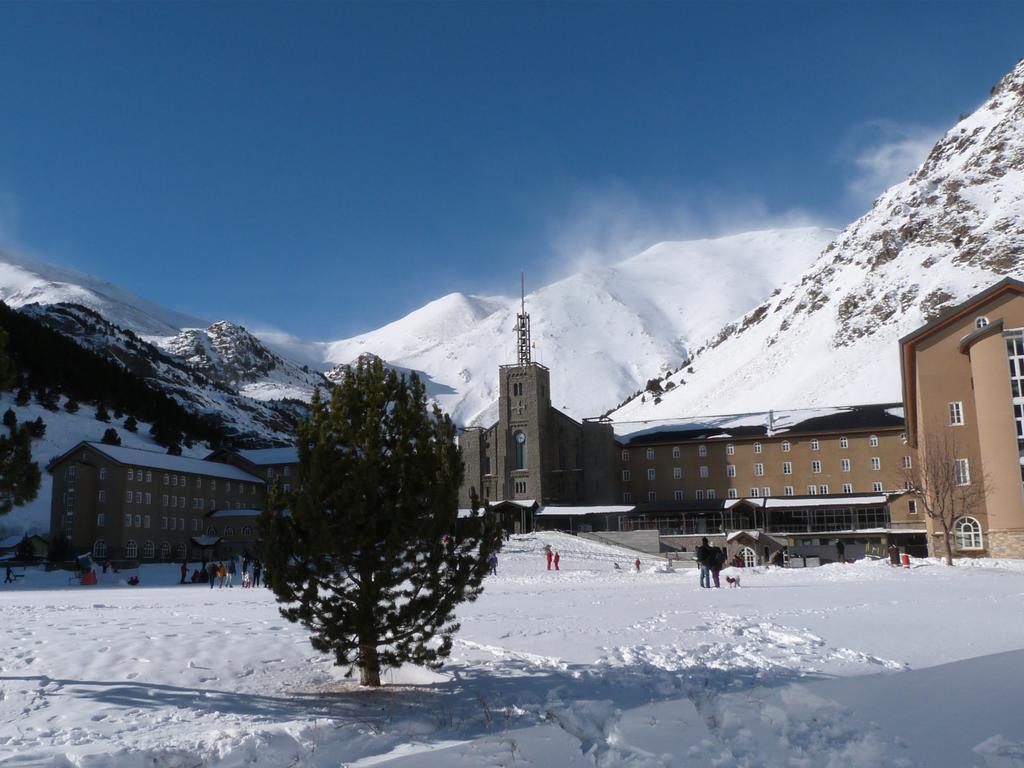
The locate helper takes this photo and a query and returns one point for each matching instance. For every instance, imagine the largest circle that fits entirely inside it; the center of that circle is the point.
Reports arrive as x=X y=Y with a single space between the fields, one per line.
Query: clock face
x=520 y=438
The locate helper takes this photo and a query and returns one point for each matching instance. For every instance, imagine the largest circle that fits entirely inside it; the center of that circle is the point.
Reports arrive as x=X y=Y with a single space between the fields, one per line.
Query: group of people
x=710 y=561
x=552 y=556
x=221 y=574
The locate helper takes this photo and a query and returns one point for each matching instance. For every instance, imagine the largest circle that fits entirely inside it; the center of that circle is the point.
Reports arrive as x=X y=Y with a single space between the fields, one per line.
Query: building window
x=812 y=490
x=520 y=447
x=843 y=442
x=127 y=497
x=103 y=473
x=138 y=521
x=786 y=446
x=956 y=413
x=145 y=521
x=149 y=497
x=963 y=472
x=167 y=479
x=815 y=444
x=163 y=500
x=876 y=487
x=816 y=467
x=703 y=471
x=677 y=495
x=730 y=449
x=101 y=519
x=127 y=519
x=912 y=506
x=174 y=502
x=968 y=533
x=702 y=450
x=873 y=441
x=211 y=531
x=675 y=452
x=102 y=495
x=213 y=485
x=699 y=494
x=183 y=480
x=732 y=493
x=730 y=470
x=847 y=487
x=981 y=322
x=876 y=463
x=906 y=462
x=844 y=464
x=149 y=476
x=165 y=551
x=787 y=467
x=174 y=479
x=823 y=490
x=649 y=453
x=174 y=523
x=626 y=475
x=195 y=525
x=677 y=473
x=651 y=473
x=627 y=497
x=711 y=493
x=199 y=482
x=758 y=470
x=757 y=448
x=229 y=530
x=131 y=549
x=163 y=523
x=625 y=455
x=179 y=551
x=148 y=550
x=755 y=493
x=247 y=530
x=652 y=496
x=787 y=490
x=138 y=497
x=99 y=550
x=131 y=474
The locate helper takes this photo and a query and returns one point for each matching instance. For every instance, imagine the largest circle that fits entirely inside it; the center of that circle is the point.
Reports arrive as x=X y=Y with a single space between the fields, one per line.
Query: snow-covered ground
x=856 y=665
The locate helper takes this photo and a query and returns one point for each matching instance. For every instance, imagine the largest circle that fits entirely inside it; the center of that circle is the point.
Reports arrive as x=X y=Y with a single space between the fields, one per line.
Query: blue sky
x=326 y=168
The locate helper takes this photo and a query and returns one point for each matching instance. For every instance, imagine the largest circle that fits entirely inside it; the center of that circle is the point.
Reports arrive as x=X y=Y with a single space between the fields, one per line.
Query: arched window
x=229 y=530
x=211 y=531
x=520 y=440
x=247 y=530
x=748 y=556
x=968 y=533
x=165 y=551
x=873 y=441
x=148 y=550
x=786 y=446
x=179 y=551
x=131 y=549
x=981 y=322
x=99 y=549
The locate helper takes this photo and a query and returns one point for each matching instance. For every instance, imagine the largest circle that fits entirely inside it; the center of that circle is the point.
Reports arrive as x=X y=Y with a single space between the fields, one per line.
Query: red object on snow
x=88 y=578
x=905 y=559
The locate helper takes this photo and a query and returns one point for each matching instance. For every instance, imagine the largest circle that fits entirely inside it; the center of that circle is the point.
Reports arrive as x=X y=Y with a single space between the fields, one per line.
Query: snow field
x=850 y=665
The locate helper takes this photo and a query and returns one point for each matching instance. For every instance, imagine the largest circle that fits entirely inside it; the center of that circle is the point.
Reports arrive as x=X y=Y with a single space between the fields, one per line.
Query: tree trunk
x=369 y=666
x=949 y=547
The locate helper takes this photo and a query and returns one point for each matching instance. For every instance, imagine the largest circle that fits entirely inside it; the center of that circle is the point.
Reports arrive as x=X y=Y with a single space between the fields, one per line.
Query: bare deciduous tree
x=945 y=486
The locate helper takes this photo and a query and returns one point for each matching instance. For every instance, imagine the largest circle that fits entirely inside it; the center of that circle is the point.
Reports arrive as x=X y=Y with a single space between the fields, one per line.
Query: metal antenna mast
x=523 y=326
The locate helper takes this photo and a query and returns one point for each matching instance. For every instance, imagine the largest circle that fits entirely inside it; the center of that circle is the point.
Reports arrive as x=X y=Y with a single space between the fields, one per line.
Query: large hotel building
x=800 y=480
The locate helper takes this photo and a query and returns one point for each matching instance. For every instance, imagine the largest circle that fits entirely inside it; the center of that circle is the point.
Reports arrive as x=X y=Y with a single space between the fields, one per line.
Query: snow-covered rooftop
x=576 y=511
x=264 y=456
x=824 y=501
x=157 y=460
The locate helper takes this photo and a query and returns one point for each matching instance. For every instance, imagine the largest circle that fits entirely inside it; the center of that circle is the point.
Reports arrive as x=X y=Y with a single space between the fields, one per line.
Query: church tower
x=524 y=404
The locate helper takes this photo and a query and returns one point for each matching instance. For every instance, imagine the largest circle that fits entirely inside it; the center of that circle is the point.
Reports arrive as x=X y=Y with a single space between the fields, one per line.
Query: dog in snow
x=733 y=581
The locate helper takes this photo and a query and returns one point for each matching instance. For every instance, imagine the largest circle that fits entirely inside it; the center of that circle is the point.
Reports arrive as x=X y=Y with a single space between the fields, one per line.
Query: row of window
x=146 y=476
x=175 y=502
x=701 y=494
x=285 y=472
x=131 y=548
x=170 y=524
x=730 y=449
x=787 y=469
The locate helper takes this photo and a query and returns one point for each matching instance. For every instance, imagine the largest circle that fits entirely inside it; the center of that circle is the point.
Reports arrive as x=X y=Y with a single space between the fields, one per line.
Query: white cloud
x=881 y=153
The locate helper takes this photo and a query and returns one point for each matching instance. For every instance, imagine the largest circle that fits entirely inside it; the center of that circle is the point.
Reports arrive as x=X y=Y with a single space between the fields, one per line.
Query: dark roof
x=973 y=301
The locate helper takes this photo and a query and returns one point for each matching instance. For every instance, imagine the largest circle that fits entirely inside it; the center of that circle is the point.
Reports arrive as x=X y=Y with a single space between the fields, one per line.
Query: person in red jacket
x=637 y=564
x=547 y=552
x=557 y=558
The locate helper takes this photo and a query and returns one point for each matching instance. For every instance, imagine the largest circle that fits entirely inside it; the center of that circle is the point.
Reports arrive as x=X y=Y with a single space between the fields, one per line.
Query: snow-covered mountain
x=604 y=331
x=232 y=357
x=950 y=230
x=24 y=280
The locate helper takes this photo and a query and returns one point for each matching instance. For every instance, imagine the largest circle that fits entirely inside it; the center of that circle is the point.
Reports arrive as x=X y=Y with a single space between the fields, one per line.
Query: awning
x=205 y=541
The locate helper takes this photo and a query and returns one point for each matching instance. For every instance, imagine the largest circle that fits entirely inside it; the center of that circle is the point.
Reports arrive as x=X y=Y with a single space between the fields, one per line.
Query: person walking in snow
x=556 y=559
x=231 y=572
x=704 y=555
x=9 y=578
x=636 y=564
x=492 y=561
x=184 y=572
x=257 y=569
x=548 y=554
x=717 y=561
x=211 y=572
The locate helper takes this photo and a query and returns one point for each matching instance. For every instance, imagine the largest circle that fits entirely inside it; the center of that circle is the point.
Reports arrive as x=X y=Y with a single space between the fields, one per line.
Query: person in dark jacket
x=704 y=558
x=257 y=570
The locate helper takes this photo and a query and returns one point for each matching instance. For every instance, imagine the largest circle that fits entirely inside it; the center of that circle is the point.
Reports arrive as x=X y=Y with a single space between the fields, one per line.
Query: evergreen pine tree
x=23 y=397
x=37 y=428
x=174 y=449
x=19 y=475
x=371 y=556
x=101 y=412
x=110 y=437
x=10 y=419
x=71 y=406
x=131 y=424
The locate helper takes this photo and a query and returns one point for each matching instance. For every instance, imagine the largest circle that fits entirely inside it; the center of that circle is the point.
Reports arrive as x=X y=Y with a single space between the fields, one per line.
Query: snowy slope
x=584 y=667
x=610 y=328
x=24 y=280
x=952 y=229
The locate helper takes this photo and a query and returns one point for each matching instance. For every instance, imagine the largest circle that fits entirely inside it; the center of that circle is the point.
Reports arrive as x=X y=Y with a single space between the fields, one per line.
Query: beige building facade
x=963 y=385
